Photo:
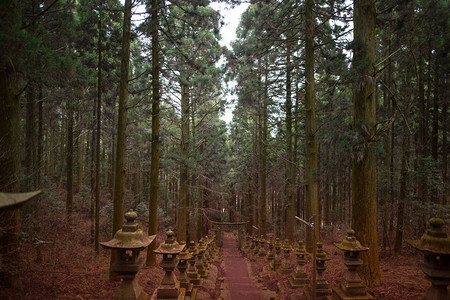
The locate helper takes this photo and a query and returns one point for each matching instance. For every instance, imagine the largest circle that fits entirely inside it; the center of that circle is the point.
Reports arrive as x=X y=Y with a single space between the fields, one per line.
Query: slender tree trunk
x=403 y=192
x=80 y=157
x=63 y=137
x=154 y=171
x=262 y=176
x=290 y=178
x=97 y=137
x=200 y=207
x=312 y=193
x=120 y=172
x=364 y=179
x=39 y=164
x=445 y=149
x=69 y=162
x=30 y=137
x=10 y=153
x=184 y=168
x=387 y=149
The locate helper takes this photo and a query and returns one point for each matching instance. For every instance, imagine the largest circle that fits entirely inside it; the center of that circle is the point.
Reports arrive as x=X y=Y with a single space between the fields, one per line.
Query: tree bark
x=184 y=166
x=69 y=162
x=120 y=172
x=97 y=137
x=290 y=178
x=312 y=193
x=10 y=154
x=403 y=192
x=154 y=171
x=364 y=179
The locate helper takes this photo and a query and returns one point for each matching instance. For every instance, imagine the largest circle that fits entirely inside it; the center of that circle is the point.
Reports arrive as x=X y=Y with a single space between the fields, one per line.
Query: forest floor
x=70 y=270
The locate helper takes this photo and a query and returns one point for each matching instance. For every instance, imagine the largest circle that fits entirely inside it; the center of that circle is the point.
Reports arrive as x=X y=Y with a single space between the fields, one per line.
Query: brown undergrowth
x=401 y=276
x=69 y=269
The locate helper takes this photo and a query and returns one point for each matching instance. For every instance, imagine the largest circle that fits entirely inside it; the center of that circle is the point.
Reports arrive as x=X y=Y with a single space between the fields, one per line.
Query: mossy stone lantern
x=169 y=288
x=435 y=246
x=286 y=268
x=192 y=271
x=351 y=287
x=270 y=255
x=129 y=242
x=299 y=277
x=183 y=258
x=277 y=257
x=322 y=286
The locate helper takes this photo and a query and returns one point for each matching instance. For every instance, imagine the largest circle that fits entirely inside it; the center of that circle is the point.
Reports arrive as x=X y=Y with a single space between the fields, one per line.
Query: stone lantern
x=252 y=244
x=322 y=286
x=269 y=256
x=277 y=258
x=257 y=246
x=246 y=244
x=200 y=265
x=299 y=277
x=169 y=288
x=262 y=251
x=286 y=267
x=351 y=287
x=183 y=258
x=192 y=271
x=435 y=246
x=129 y=241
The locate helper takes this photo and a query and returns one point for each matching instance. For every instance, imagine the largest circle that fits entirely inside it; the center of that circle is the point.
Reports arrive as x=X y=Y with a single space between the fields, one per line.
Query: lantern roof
x=169 y=246
x=130 y=236
x=350 y=243
x=185 y=254
x=435 y=239
x=14 y=200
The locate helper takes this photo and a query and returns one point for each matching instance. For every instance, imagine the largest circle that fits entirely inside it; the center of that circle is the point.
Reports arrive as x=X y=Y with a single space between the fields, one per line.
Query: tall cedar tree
x=10 y=12
x=364 y=168
x=120 y=172
x=154 y=171
x=312 y=189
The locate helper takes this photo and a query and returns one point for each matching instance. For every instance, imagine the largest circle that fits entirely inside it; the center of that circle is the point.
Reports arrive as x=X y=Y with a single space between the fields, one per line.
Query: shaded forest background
x=61 y=67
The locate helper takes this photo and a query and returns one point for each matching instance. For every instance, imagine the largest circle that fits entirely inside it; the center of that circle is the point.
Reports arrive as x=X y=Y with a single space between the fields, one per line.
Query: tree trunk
x=312 y=193
x=262 y=176
x=69 y=162
x=120 y=172
x=37 y=201
x=97 y=138
x=10 y=155
x=184 y=167
x=30 y=137
x=403 y=193
x=290 y=178
x=364 y=179
x=154 y=171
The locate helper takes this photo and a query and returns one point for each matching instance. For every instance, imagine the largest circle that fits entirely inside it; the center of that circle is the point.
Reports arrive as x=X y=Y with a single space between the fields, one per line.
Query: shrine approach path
x=238 y=284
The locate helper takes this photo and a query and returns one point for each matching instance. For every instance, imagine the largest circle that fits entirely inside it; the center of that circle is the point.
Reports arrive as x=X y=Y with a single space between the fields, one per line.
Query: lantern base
x=130 y=290
x=338 y=294
x=298 y=280
x=321 y=290
x=163 y=293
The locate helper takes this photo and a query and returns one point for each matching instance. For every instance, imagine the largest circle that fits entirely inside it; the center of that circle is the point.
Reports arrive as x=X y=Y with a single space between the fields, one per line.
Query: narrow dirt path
x=238 y=283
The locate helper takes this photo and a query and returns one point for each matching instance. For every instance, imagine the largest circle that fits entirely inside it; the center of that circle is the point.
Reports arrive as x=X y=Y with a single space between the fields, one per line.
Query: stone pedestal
x=128 y=242
x=322 y=286
x=286 y=267
x=351 y=287
x=299 y=277
x=276 y=263
x=256 y=249
x=435 y=246
x=169 y=287
x=270 y=254
x=262 y=251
